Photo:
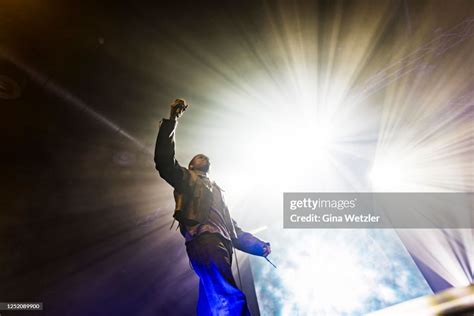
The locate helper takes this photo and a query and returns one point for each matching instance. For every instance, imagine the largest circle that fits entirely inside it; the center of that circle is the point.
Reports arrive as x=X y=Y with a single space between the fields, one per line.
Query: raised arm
x=248 y=243
x=165 y=161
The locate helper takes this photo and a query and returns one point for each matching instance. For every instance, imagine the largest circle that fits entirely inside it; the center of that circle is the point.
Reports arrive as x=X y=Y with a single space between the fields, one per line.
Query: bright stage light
x=337 y=286
x=334 y=273
x=297 y=141
x=306 y=105
x=386 y=175
x=389 y=174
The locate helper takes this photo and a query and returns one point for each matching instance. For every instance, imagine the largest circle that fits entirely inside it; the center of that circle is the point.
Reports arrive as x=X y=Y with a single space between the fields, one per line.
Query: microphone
x=270 y=262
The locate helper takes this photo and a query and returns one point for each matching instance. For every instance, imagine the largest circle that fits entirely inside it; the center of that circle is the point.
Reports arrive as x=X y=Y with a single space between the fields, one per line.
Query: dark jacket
x=193 y=198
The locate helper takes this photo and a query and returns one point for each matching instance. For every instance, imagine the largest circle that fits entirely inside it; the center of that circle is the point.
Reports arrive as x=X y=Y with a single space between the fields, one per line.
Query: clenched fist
x=177 y=108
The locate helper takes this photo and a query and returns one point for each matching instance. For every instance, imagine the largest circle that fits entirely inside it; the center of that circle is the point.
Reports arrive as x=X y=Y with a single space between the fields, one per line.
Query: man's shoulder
x=218 y=186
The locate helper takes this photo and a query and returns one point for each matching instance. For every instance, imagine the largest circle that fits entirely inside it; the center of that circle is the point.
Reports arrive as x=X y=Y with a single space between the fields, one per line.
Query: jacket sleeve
x=165 y=161
x=247 y=242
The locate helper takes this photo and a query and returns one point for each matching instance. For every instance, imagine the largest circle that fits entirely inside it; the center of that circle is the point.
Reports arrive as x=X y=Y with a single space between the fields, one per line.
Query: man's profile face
x=200 y=162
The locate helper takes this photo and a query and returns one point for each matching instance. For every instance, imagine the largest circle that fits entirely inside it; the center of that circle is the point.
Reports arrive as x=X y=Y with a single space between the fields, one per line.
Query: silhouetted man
x=206 y=224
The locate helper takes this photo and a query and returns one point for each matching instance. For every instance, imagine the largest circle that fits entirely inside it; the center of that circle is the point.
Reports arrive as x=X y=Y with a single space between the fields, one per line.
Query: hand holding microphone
x=266 y=251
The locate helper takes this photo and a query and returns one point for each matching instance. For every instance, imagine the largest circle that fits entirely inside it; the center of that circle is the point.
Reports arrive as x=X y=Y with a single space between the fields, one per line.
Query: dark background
x=84 y=220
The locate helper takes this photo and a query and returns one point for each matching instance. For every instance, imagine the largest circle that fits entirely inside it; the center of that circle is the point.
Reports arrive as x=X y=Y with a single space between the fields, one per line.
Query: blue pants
x=211 y=258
